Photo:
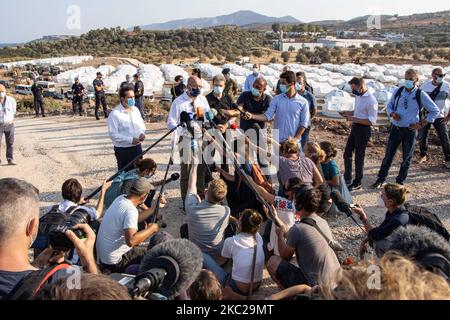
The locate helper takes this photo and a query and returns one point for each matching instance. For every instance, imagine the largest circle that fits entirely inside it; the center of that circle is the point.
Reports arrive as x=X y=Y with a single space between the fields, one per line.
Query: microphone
x=169 y=268
x=341 y=204
x=200 y=114
x=423 y=245
x=233 y=125
x=186 y=119
x=174 y=177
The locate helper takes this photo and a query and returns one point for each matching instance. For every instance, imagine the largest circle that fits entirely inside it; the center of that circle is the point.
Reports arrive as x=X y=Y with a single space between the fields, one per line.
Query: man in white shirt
x=118 y=239
x=439 y=92
x=8 y=107
x=192 y=102
x=363 y=118
x=126 y=129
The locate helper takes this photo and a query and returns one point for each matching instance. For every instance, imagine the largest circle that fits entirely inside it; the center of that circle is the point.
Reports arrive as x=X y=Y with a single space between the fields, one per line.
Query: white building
x=285 y=46
x=332 y=42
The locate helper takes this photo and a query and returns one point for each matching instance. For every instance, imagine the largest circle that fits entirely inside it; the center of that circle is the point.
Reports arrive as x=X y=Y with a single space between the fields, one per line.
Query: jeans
x=140 y=106
x=399 y=136
x=39 y=106
x=357 y=143
x=124 y=156
x=8 y=130
x=210 y=264
x=442 y=131
x=305 y=137
x=100 y=99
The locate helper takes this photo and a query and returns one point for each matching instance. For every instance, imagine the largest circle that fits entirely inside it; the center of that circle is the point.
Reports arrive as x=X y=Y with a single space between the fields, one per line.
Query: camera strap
x=31 y=284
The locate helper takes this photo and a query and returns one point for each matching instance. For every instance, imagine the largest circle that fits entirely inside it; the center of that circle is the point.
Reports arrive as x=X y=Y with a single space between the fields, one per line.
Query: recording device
x=344 y=207
x=53 y=226
x=424 y=246
x=168 y=269
x=174 y=177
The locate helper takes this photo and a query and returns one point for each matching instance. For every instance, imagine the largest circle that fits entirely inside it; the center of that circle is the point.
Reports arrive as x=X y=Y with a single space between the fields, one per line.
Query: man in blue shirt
x=289 y=111
x=405 y=114
x=312 y=101
x=248 y=85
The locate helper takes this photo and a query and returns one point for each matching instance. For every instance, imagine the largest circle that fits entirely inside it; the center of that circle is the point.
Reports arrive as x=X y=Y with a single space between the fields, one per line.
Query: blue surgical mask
x=439 y=80
x=284 y=88
x=131 y=102
x=409 y=84
x=298 y=86
x=195 y=92
x=256 y=92
x=218 y=90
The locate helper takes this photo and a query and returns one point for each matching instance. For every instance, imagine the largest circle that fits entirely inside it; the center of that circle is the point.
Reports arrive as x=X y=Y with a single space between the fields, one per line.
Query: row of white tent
x=74 y=60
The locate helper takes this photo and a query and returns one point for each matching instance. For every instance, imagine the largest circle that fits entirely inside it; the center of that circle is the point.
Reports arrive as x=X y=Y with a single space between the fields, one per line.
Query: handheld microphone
x=186 y=119
x=169 y=268
x=341 y=204
x=200 y=114
x=174 y=177
x=232 y=125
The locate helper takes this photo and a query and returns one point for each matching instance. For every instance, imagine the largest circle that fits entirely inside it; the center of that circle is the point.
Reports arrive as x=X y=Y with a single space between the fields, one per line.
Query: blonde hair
x=315 y=149
x=401 y=279
x=413 y=72
x=219 y=78
x=396 y=192
x=289 y=147
x=217 y=191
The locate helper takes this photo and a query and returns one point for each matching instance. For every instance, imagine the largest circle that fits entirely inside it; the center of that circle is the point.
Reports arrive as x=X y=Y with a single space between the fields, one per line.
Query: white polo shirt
x=7 y=110
x=123 y=127
x=184 y=103
x=366 y=108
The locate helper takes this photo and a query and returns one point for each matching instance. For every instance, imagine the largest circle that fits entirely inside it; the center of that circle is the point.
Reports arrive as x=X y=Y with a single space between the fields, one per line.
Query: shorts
x=290 y=275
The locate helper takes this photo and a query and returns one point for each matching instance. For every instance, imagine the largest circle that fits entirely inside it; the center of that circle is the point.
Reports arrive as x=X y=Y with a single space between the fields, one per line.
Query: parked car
x=23 y=89
x=54 y=95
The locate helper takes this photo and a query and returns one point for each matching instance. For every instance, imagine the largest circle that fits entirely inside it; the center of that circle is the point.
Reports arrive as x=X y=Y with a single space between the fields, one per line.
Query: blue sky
x=25 y=20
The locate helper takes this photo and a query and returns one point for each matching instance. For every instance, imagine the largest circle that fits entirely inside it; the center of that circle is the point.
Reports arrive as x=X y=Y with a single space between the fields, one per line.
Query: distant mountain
x=240 y=18
x=8 y=45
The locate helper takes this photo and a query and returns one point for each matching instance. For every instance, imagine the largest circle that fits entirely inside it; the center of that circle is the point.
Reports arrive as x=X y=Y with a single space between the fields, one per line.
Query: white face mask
x=2 y=94
x=380 y=202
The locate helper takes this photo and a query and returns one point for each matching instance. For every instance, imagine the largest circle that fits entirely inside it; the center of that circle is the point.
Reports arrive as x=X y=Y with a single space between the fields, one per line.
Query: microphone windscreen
x=210 y=116
x=413 y=241
x=175 y=177
x=340 y=203
x=186 y=254
x=185 y=117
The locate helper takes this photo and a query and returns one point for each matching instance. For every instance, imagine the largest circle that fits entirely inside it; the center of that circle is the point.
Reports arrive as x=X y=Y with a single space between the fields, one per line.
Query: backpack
x=31 y=284
x=418 y=98
x=433 y=95
x=421 y=216
x=117 y=186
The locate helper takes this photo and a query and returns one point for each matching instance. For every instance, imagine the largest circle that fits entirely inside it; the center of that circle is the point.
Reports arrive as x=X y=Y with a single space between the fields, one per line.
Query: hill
x=239 y=18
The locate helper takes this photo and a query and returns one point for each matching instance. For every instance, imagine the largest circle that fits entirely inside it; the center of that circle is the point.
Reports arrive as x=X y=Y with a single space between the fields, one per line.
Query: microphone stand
x=92 y=195
x=247 y=180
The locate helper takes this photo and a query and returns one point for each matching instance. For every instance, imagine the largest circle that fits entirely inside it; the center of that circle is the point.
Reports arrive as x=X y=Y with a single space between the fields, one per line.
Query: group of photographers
x=238 y=221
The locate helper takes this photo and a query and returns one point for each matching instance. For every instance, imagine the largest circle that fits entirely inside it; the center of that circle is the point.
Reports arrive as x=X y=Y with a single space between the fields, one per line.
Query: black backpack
x=421 y=216
x=418 y=98
x=31 y=284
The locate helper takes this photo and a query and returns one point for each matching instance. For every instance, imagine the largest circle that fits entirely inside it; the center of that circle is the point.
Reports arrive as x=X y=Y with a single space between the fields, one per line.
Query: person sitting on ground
x=292 y=164
x=400 y=279
x=392 y=197
x=309 y=241
x=246 y=251
x=207 y=220
x=92 y=287
x=118 y=238
x=331 y=171
x=19 y=225
x=206 y=288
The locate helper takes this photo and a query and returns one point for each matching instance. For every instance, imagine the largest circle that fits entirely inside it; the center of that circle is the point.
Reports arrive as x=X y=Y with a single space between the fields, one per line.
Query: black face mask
x=357 y=93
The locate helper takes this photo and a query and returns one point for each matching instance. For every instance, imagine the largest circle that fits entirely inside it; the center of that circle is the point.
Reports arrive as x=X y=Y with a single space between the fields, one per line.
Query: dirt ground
x=50 y=150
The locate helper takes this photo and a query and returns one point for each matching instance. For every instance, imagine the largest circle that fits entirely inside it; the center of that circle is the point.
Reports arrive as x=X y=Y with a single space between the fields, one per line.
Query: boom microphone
x=169 y=268
x=341 y=204
x=424 y=246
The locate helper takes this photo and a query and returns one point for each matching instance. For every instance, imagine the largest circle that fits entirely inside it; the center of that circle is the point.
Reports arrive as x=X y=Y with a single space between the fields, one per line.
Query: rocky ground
x=53 y=149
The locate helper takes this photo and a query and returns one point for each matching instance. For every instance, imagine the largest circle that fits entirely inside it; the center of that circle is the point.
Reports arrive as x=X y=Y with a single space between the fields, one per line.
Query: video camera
x=53 y=226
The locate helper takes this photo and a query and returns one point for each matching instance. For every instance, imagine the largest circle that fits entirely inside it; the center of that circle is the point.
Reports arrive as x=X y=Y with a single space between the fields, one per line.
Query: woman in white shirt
x=243 y=249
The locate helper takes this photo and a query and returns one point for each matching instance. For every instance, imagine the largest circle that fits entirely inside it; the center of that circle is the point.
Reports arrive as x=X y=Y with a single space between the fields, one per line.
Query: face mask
x=439 y=80
x=255 y=92
x=380 y=202
x=195 y=92
x=409 y=84
x=131 y=102
x=255 y=72
x=298 y=87
x=283 y=88
x=356 y=93
x=218 y=90
x=2 y=94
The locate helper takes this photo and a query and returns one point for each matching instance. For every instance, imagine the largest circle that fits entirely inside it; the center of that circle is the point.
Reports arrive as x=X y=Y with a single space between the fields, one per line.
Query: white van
x=23 y=89
x=46 y=86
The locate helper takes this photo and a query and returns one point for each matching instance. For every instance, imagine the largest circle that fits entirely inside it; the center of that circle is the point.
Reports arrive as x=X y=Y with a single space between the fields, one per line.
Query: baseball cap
x=141 y=187
x=226 y=71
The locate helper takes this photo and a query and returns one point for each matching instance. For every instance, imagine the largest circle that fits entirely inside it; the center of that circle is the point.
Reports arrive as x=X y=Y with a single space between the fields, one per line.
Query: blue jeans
x=305 y=138
x=399 y=136
x=140 y=106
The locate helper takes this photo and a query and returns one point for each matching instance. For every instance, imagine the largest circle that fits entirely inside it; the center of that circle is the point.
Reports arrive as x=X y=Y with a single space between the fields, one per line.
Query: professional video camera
x=167 y=270
x=53 y=226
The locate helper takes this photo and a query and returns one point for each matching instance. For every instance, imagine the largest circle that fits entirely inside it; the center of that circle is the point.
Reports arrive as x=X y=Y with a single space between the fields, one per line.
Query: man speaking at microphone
x=126 y=129
x=193 y=103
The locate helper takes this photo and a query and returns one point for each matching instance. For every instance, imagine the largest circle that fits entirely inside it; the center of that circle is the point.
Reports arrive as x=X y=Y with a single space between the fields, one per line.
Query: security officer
x=100 y=96
x=139 y=94
x=77 y=100
x=38 y=99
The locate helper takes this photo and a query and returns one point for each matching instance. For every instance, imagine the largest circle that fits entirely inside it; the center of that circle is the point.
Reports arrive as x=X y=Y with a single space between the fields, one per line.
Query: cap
x=141 y=187
x=226 y=71
x=99 y=74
